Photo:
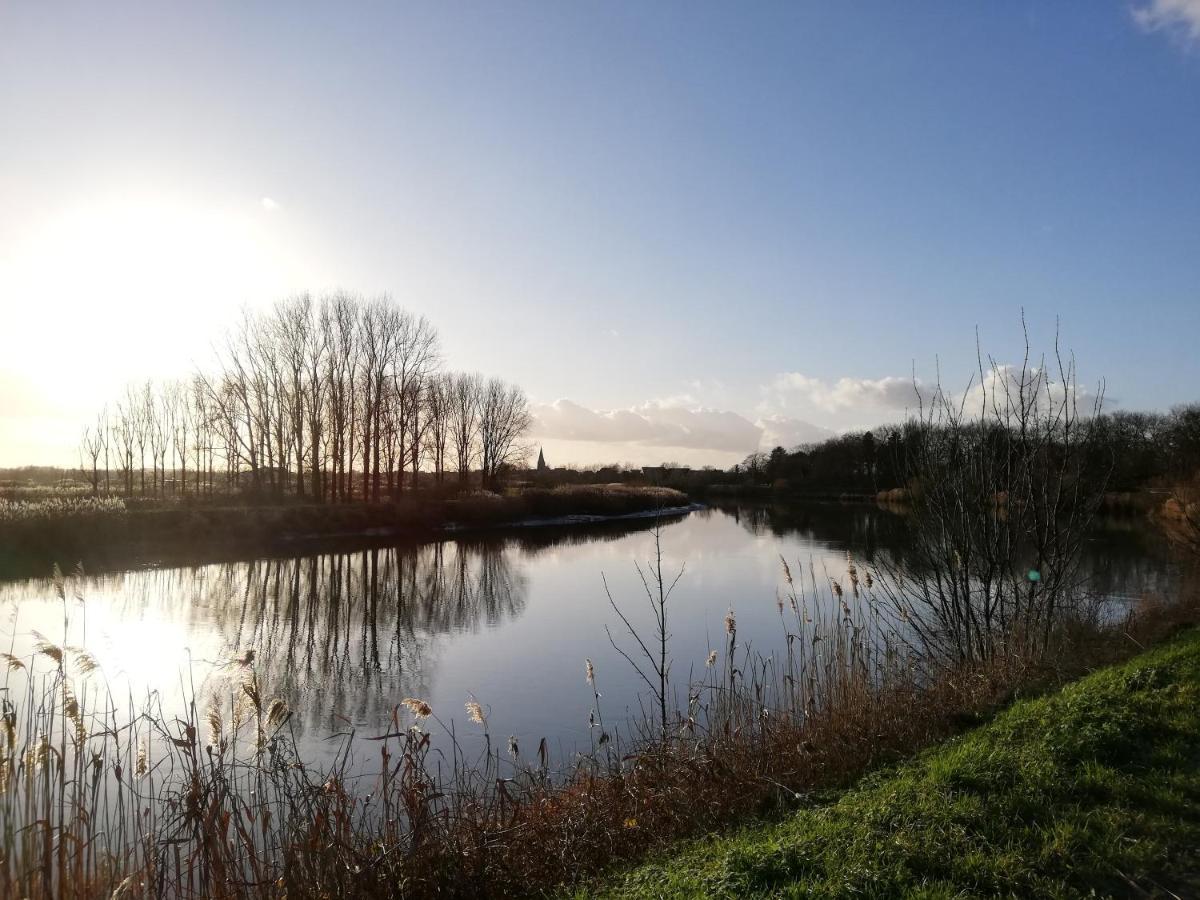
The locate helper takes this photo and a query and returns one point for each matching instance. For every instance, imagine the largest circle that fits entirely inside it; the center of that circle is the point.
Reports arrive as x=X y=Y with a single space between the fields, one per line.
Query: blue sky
x=740 y=223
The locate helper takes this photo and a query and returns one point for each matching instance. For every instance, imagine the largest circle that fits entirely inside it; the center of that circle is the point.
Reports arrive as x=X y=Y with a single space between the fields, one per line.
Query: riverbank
x=109 y=530
x=1090 y=791
x=759 y=492
x=1117 y=502
x=457 y=818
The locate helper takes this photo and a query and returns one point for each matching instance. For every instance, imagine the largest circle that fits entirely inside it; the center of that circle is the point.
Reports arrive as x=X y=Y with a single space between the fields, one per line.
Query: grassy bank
x=63 y=532
x=1090 y=791
x=100 y=796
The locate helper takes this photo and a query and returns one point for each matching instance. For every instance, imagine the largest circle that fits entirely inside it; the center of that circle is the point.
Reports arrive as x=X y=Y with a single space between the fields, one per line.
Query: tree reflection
x=336 y=634
x=1121 y=560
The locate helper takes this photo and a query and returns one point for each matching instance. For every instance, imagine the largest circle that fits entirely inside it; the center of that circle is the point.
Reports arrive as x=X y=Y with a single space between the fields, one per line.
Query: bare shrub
x=1004 y=481
x=102 y=797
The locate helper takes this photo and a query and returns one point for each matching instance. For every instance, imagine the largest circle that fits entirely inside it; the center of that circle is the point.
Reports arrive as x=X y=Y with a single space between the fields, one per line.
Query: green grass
x=1090 y=791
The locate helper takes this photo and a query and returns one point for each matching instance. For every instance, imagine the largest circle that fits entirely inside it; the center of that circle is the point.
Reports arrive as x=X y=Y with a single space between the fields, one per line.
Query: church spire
x=541 y=463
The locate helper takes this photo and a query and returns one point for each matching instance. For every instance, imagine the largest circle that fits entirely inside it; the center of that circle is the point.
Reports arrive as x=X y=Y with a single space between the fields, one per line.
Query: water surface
x=508 y=619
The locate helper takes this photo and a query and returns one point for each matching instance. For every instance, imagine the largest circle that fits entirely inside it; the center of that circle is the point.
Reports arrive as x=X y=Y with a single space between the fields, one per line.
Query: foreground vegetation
x=100 y=796
x=1091 y=791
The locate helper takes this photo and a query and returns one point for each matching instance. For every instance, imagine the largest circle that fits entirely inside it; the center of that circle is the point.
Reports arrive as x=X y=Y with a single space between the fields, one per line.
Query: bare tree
x=175 y=402
x=504 y=419
x=203 y=434
x=437 y=435
x=125 y=437
x=339 y=322
x=314 y=390
x=140 y=411
x=657 y=658
x=158 y=436
x=378 y=334
x=236 y=398
x=414 y=364
x=303 y=394
x=290 y=334
x=465 y=403
x=104 y=434
x=91 y=446
x=1005 y=480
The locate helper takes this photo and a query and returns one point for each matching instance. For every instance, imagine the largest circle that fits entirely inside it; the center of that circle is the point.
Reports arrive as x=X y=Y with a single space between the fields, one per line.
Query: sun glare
x=107 y=282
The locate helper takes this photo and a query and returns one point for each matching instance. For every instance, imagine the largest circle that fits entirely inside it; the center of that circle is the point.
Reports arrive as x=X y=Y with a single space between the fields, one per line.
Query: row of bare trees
x=328 y=398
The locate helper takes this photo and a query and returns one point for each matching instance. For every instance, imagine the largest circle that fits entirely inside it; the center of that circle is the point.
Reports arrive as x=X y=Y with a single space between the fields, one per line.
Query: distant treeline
x=1140 y=450
x=327 y=398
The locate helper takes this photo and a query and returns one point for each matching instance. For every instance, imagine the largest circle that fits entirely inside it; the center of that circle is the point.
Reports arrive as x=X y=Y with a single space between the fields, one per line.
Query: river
x=507 y=619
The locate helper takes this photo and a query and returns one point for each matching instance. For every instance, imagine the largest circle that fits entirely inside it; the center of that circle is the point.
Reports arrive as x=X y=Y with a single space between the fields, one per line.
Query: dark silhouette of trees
x=1143 y=450
x=329 y=399
x=437 y=406
x=504 y=417
x=91 y=446
x=1007 y=478
x=466 y=400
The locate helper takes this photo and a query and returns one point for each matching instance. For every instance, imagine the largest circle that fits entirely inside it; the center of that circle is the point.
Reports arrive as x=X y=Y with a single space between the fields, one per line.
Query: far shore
x=139 y=533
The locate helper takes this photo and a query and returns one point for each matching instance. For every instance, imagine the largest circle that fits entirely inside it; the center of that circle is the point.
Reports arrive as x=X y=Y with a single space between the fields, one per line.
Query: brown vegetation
x=1180 y=514
x=61 y=530
x=211 y=801
x=328 y=399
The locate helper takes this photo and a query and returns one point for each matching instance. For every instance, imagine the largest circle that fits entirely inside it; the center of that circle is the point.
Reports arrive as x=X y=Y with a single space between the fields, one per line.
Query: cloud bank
x=1178 y=17
x=670 y=425
x=681 y=429
x=889 y=393
x=651 y=424
x=784 y=431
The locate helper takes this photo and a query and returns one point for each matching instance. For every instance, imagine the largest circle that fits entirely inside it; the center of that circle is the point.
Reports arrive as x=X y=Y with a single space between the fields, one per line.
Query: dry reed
x=100 y=797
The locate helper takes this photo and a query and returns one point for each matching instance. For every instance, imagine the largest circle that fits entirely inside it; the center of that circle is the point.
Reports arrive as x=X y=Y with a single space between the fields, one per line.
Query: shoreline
x=141 y=536
x=1129 y=502
x=1115 y=807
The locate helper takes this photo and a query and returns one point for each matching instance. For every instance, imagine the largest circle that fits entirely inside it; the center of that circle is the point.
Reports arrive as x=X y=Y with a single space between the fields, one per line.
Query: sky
x=689 y=230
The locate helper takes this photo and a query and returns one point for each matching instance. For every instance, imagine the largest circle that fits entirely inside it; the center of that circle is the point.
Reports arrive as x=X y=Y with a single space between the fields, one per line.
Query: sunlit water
x=508 y=620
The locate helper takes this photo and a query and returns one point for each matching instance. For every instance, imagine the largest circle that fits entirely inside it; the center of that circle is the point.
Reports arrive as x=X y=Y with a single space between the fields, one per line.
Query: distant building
x=541 y=464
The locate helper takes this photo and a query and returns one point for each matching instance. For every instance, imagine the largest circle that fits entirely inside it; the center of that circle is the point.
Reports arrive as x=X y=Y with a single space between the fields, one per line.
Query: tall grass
x=60 y=507
x=78 y=526
x=26 y=491
x=111 y=796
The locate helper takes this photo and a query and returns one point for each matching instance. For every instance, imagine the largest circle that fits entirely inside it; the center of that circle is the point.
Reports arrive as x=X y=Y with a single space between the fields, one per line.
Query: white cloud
x=856 y=402
x=1002 y=388
x=652 y=424
x=269 y=205
x=888 y=393
x=685 y=432
x=1180 y=17
x=786 y=432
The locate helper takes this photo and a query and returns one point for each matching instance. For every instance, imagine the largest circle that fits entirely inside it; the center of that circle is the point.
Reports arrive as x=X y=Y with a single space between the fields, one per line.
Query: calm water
x=508 y=620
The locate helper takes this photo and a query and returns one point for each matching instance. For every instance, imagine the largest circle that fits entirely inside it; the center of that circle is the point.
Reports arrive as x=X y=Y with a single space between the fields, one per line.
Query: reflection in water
x=863 y=528
x=350 y=633
x=344 y=636
x=1124 y=558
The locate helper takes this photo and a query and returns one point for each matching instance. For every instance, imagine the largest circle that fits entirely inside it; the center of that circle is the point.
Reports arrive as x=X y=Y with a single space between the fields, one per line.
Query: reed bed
x=107 y=796
x=16 y=490
x=55 y=508
x=75 y=527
